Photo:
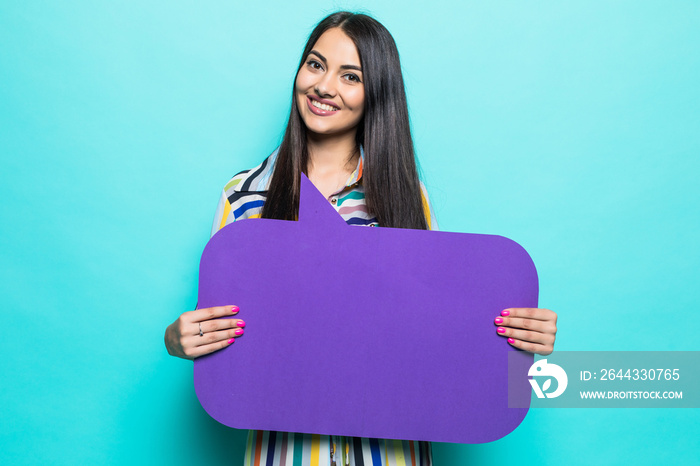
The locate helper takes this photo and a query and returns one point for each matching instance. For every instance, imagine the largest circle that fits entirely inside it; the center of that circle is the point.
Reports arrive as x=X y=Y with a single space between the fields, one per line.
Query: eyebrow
x=342 y=67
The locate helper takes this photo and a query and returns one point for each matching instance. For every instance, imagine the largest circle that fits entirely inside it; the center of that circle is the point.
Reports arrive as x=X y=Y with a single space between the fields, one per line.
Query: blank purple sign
x=368 y=332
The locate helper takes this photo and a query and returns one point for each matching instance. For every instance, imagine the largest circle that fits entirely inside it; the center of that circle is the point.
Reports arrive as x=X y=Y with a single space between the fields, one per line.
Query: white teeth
x=325 y=107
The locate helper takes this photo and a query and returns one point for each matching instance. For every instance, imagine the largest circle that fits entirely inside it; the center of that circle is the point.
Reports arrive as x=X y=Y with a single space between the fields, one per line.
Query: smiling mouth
x=322 y=106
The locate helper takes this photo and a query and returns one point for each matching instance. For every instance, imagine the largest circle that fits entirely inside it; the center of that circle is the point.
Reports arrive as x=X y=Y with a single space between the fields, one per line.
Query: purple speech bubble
x=367 y=332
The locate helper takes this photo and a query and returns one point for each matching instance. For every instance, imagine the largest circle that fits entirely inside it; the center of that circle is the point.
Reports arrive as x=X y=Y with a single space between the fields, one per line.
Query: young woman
x=348 y=131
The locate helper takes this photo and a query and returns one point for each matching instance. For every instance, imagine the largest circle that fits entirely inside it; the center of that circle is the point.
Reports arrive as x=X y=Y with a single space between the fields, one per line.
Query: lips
x=313 y=101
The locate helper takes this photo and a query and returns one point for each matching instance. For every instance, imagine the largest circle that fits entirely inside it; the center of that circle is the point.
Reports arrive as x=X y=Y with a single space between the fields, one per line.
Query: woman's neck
x=331 y=161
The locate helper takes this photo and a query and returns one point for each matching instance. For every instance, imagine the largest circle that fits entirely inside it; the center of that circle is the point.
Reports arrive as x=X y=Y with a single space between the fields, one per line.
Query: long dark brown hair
x=390 y=176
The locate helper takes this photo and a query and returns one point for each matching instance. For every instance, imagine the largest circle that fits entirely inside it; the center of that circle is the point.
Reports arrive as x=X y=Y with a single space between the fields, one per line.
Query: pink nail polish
x=511 y=341
x=234 y=309
x=501 y=330
x=231 y=341
x=239 y=331
x=499 y=320
x=505 y=313
x=241 y=323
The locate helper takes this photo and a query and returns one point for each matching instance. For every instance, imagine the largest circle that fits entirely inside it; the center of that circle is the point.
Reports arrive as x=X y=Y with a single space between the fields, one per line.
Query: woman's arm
x=528 y=329
x=202 y=331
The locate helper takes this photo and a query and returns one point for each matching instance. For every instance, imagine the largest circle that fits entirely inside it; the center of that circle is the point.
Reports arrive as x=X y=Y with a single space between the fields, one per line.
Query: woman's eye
x=314 y=64
x=353 y=78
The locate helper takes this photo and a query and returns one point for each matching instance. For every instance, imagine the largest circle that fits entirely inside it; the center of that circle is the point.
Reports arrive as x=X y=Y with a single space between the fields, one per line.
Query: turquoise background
x=570 y=127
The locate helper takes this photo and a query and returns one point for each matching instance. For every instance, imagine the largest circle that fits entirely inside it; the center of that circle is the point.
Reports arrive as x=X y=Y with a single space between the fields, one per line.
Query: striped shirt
x=243 y=197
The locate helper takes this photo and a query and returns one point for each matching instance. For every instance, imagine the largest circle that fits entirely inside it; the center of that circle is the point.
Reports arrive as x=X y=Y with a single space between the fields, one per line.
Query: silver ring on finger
x=201 y=334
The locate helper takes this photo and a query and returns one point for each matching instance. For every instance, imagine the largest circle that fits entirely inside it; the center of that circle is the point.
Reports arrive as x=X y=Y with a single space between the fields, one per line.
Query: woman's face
x=329 y=88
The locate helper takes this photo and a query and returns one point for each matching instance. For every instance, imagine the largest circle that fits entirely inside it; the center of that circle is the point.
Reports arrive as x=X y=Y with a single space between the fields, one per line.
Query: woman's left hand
x=528 y=328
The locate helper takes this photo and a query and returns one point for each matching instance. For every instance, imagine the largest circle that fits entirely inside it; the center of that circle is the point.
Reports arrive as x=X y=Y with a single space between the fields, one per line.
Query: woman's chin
x=323 y=132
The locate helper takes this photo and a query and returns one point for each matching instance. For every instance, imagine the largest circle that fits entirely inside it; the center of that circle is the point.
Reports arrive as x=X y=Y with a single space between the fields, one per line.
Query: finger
x=527 y=324
x=526 y=335
x=220 y=324
x=192 y=345
x=531 y=347
x=530 y=313
x=198 y=351
x=208 y=313
x=211 y=337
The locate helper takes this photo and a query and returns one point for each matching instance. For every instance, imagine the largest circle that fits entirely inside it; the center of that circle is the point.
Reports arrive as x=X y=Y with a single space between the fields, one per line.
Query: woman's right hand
x=199 y=332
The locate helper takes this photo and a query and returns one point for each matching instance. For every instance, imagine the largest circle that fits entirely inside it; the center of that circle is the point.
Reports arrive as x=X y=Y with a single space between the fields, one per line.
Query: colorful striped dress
x=243 y=197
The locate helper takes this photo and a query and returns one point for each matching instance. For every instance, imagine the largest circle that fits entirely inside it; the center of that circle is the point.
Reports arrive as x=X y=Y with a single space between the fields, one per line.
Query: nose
x=325 y=86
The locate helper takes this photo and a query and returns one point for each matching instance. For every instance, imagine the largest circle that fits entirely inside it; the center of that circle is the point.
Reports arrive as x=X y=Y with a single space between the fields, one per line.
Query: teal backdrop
x=570 y=127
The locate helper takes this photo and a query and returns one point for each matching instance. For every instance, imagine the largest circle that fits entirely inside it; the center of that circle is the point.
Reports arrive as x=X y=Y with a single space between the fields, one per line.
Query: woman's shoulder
x=428 y=208
x=254 y=180
x=244 y=195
